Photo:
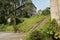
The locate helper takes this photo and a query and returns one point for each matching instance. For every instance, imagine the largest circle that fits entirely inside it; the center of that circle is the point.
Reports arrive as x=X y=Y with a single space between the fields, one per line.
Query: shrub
x=54 y=30
x=35 y=35
x=18 y=20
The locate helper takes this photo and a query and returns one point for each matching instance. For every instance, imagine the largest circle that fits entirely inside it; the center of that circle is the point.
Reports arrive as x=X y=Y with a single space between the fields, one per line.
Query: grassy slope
x=26 y=25
x=29 y=23
x=45 y=26
x=41 y=29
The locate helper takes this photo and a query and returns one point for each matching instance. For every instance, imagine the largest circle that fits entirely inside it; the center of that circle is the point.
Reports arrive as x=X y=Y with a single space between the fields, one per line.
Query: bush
x=18 y=20
x=35 y=35
x=53 y=30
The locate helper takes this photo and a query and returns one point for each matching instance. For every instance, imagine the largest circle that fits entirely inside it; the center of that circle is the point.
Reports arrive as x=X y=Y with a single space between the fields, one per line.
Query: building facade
x=55 y=10
x=29 y=3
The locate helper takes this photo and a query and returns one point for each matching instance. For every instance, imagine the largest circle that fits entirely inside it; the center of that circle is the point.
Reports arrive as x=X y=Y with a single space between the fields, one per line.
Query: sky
x=41 y=4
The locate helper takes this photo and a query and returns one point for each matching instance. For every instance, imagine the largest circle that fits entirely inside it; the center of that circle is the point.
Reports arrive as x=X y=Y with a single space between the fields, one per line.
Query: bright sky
x=41 y=4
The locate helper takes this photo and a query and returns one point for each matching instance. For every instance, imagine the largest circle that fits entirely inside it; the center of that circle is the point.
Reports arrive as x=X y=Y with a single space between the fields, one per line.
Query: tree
x=11 y=9
x=46 y=11
x=6 y=6
x=40 y=11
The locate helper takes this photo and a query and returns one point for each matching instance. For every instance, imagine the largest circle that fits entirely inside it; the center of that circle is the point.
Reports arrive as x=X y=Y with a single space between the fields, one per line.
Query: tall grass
x=29 y=23
x=40 y=34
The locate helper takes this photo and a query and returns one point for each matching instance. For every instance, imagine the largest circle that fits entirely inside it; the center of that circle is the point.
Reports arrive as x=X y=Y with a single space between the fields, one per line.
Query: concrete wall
x=55 y=10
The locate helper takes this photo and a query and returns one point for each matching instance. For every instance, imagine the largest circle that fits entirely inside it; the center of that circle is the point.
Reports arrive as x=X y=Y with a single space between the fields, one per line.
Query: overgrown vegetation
x=35 y=35
x=30 y=22
x=49 y=31
x=25 y=26
x=7 y=28
x=46 y=11
x=54 y=28
x=12 y=10
x=39 y=33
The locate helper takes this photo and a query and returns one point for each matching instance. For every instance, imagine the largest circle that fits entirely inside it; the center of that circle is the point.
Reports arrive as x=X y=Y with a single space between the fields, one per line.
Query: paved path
x=11 y=36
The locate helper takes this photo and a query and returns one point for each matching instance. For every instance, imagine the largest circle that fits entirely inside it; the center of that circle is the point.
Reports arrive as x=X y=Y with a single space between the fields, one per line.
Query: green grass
x=41 y=29
x=29 y=23
x=45 y=26
x=24 y=26
x=8 y=28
